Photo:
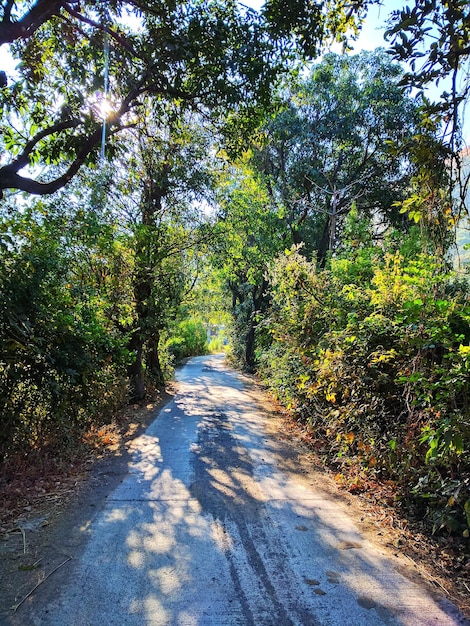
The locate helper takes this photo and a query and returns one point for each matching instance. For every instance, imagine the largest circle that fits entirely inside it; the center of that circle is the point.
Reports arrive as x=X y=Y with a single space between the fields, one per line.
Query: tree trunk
x=322 y=251
x=332 y=222
x=135 y=370
x=152 y=360
x=250 y=348
x=259 y=304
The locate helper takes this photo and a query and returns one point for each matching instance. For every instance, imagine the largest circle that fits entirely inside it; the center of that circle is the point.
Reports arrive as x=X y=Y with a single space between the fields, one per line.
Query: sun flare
x=105 y=108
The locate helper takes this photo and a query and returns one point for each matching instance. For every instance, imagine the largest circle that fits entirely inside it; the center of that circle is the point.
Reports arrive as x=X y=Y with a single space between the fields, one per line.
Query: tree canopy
x=214 y=56
x=210 y=56
x=335 y=145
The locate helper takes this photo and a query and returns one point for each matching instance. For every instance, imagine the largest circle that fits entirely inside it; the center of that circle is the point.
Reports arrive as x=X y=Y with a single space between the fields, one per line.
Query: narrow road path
x=209 y=530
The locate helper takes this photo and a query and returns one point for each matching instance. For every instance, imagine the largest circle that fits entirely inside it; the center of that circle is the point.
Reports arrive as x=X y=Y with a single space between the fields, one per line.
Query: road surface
x=208 y=529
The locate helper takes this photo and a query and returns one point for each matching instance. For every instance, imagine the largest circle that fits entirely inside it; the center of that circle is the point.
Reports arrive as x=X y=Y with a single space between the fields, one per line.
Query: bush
x=189 y=338
x=374 y=357
x=62 y=359
x=217 y=345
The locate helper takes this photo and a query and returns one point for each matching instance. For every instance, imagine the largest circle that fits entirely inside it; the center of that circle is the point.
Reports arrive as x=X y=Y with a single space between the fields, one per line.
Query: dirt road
x=211 y=527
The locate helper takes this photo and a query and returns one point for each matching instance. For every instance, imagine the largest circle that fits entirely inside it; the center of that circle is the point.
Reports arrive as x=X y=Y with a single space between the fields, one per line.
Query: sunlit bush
x=372 y=353
x=188 y=338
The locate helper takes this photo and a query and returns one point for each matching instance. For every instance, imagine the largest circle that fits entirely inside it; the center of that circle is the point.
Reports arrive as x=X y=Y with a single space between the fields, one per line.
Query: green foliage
x=433 y=39
x=341 y=141
x=373 y=354
x=217 y=345
x=170 y=169
x=311 y=25
x=62 y=356
x=249 y=235
x=89 y=286
x=214 y=56
x=188 y=338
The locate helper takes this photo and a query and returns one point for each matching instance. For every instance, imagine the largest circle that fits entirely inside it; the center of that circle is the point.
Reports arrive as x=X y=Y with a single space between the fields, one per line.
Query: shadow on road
x=214 y=526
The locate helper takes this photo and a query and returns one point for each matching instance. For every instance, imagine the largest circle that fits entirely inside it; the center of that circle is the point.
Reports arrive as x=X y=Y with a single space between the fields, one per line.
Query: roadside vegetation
x=354 y=313
x=197 y=178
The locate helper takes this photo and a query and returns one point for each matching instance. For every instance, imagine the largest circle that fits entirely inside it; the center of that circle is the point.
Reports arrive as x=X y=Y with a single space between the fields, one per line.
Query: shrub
x=61 y=368
x=189 y=338
x=372 y=353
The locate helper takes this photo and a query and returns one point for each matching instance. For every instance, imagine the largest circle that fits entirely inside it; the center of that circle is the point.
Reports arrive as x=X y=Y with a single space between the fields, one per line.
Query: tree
x=209 y=55
x=432 y=36
x=169 y=170
x=338 y=142
x=250 y=236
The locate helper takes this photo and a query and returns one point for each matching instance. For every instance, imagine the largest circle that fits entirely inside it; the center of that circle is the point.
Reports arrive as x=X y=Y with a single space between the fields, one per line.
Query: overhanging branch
x=38 y=14
x=120 y=39
x=11 y=179
x=23 y=159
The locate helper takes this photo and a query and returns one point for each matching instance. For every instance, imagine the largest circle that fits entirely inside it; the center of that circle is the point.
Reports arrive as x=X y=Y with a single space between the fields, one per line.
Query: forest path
x=215 y=525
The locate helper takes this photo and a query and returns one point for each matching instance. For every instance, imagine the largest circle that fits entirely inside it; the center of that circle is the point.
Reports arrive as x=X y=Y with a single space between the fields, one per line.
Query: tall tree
x=170 y=173
x=431 y=36
x=250 y=237
x=334 y=145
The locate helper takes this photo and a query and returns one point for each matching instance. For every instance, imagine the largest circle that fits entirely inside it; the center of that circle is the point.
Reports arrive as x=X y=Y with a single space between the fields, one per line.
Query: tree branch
x=9 y=177
x=23 y=159
x=122 y=41
x=37 y=15
x=7 y=10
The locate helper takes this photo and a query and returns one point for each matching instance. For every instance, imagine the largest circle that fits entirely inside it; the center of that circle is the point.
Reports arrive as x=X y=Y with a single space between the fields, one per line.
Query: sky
x=371 y=36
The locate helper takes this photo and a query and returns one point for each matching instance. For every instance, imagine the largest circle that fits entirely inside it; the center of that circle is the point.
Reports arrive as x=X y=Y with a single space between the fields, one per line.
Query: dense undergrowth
x=372 y=354
x=68 y=314
x=62 y=360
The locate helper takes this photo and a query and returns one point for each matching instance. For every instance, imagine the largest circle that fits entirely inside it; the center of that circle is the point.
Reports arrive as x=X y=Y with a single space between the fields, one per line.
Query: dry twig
x=17 y=606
